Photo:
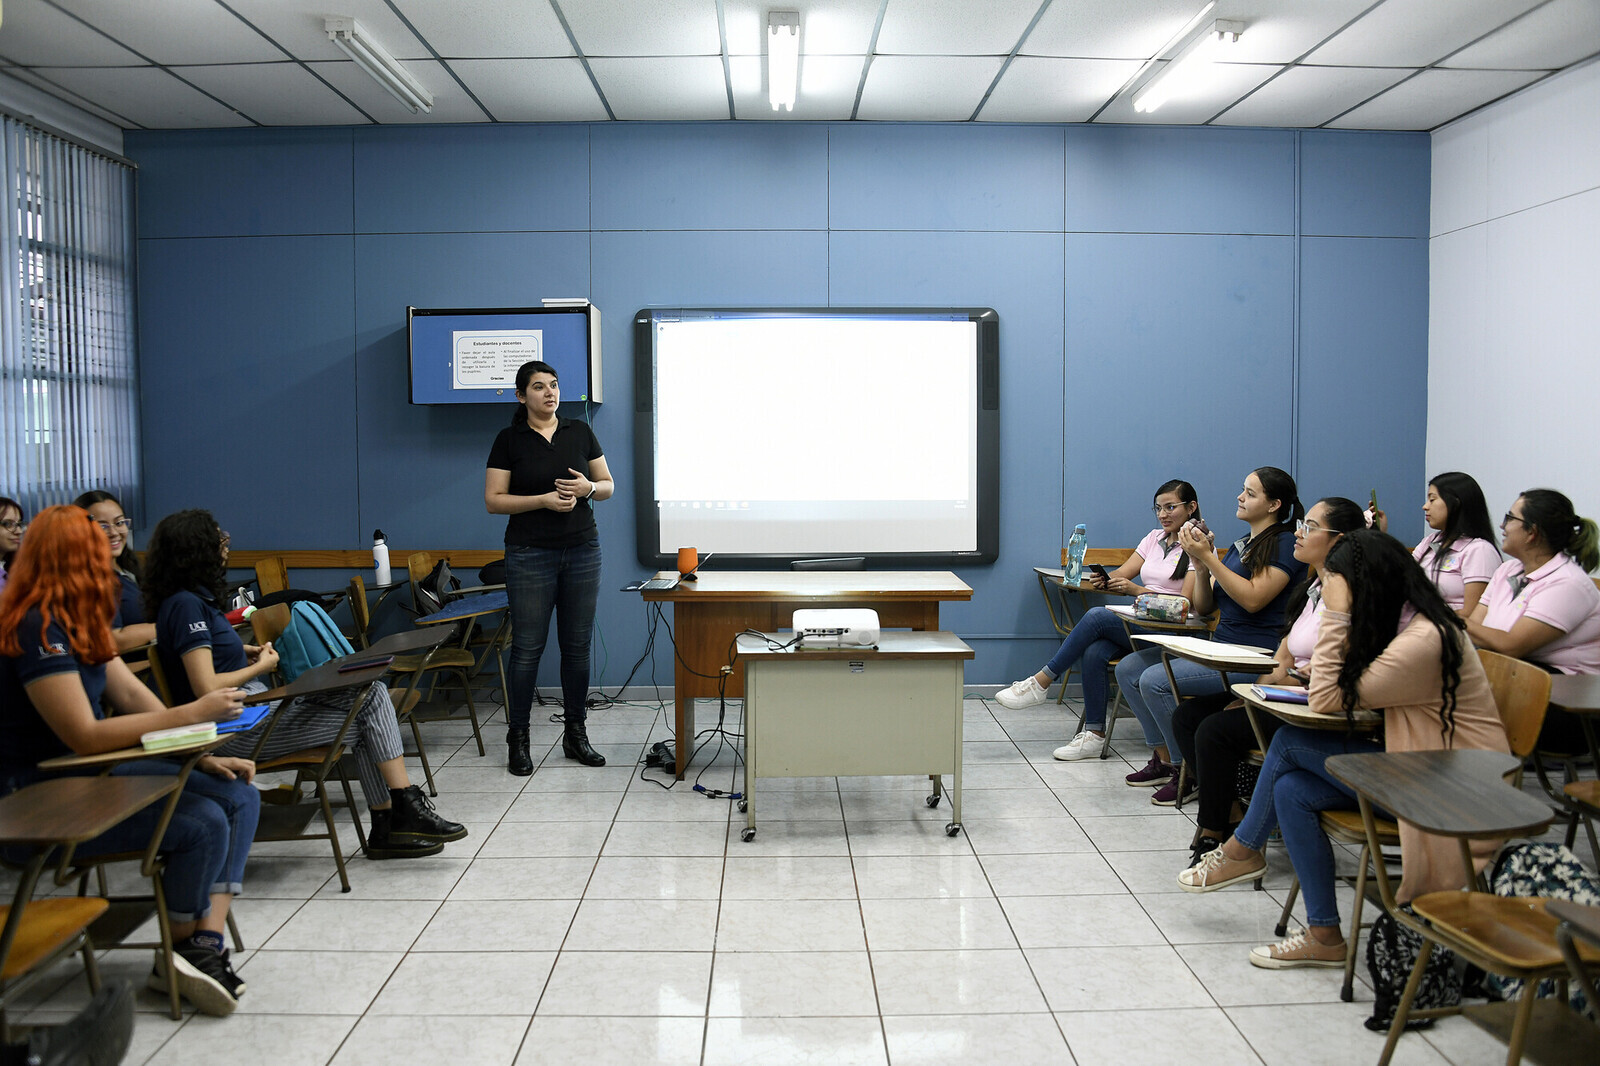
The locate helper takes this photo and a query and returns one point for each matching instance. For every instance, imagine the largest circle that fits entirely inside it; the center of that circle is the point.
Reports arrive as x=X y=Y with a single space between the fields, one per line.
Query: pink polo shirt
x=1302 y=638
x=1467 y=561
x=1559 y=594
x=1159 y=562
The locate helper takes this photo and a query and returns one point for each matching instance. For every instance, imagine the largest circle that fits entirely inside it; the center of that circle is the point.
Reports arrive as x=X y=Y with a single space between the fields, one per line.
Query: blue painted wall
x=1173 y=302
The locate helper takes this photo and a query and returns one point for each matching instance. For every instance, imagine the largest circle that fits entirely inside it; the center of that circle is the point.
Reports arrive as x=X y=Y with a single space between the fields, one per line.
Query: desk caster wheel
x=933 y=800
x=747 y=834
x=952 y=829
x=744 y=805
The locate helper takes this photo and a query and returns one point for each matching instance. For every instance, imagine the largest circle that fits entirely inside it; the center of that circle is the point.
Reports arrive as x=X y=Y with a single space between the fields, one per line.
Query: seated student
x=1216 y=738
x=1541 y=604
x=1099 y=636
x=185 y=569
x=128 y=627
x=1249 y=584
x=64 y=691
x=1459 y=554
x=1387 y=642
x=11 y=527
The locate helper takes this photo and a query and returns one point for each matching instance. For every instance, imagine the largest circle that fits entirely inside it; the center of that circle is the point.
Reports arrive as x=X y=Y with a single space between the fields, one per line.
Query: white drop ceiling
x=1348 y=64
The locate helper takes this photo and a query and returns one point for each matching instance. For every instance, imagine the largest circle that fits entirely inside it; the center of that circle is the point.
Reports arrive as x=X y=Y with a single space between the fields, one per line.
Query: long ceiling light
x=1192 y=69
x=354 y=41
x=783 y=58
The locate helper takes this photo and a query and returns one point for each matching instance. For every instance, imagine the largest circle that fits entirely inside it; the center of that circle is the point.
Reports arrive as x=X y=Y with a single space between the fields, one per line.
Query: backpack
x=1548 y=871
x=310 y=639
x=434 y=590
x=1392 y=951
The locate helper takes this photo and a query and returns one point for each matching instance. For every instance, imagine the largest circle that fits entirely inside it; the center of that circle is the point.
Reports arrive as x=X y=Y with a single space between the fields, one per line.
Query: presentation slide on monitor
x=490 y=358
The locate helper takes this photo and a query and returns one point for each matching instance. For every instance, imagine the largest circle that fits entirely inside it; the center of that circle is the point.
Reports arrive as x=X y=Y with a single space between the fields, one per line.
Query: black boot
x=575 y=745
x=381 y=842
x=414 y=821
x=519 y=763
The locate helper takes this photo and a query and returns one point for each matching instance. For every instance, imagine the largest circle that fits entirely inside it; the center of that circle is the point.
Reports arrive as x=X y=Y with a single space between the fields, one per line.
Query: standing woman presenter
x=547 y=473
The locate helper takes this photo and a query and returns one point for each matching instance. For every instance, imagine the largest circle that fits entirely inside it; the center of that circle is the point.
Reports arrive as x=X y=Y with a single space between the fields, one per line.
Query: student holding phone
x=1158 y=564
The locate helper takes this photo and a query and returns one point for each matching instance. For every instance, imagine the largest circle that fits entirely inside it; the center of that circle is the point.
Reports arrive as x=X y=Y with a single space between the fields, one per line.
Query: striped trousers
x=313 y=721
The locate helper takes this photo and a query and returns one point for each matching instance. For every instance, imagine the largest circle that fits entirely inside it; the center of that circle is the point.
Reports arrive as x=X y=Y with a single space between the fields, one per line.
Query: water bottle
x=1076 y=547
x=380 y=556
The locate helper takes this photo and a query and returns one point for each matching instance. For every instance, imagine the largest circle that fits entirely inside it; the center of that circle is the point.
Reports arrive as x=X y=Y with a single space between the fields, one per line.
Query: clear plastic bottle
x=1076 y=547
x=380 y=557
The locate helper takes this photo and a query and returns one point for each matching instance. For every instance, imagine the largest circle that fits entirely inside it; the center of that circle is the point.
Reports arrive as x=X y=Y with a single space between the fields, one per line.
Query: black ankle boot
x=413 y=820
x=575 y=745
x=381 y=842
x=519 y=763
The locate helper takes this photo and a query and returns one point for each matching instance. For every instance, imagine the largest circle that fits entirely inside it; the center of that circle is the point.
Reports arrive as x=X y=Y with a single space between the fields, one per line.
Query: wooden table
x=1214 y=655
x=850 y=712
x=710 y=611
x=1366 y=721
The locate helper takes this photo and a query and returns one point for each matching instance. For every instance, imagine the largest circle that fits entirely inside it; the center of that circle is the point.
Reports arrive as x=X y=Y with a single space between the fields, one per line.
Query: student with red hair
x=64 y=691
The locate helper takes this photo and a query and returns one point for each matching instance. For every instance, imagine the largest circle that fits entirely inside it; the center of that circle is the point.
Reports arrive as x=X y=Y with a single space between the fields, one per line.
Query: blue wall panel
x=245 y=183
x=1364 y=373
x=1360 y=184
x=247 y=374
x=1175 y=179
x=944 y=177
x=763 y=176
x=434 y=179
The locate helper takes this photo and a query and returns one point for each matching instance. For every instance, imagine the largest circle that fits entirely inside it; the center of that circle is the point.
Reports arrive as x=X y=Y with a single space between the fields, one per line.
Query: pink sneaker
x=1155 y=773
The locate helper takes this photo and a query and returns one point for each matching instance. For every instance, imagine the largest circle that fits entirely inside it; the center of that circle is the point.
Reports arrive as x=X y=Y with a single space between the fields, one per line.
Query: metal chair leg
x=1347 y=991
x=1403 y=1010
x=1282 y=928
x=233 y=931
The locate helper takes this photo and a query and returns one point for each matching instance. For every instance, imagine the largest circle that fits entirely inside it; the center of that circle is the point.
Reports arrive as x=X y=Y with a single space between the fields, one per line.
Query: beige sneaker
x=1299 y=950
x=1215 y=870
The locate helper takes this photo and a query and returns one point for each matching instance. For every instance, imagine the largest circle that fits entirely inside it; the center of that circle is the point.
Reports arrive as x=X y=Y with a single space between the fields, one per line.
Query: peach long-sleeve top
x=1405 y=682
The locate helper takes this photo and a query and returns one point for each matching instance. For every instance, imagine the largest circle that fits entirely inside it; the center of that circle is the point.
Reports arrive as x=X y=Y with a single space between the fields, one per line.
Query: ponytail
x=1279 y=486
x=1562 y=528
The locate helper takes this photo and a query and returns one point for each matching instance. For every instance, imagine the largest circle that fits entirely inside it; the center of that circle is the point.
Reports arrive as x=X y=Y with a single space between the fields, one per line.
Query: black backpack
x=433 y=591
x=1392 y=951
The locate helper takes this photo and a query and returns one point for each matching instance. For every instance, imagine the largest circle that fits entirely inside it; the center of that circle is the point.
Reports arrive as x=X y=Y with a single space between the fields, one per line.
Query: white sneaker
x=1024 y=693
x=1085 y=745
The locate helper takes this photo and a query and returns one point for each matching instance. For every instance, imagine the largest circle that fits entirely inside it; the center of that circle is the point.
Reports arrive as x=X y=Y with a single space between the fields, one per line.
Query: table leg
x=683 y=720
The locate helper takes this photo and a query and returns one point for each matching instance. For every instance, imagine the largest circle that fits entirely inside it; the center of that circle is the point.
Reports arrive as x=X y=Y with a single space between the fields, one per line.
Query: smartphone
x=1099 y=571
x=1374 y=504
x=366 y=664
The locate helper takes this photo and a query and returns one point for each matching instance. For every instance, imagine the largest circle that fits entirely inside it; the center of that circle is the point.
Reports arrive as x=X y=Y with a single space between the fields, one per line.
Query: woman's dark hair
x=1467 y=512
x=7 y=501
x=1561 y=527
x=1344 y=516
x=129 y=559
x=525 y=374
x=1383 y=578
x=184 y=554
x=1185 y=493
x=1277 y=485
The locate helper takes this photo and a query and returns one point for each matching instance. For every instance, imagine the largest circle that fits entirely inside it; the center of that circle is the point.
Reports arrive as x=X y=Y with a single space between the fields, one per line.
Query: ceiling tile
x=663 y=88
x=1433 y=98
x=926 y=88
x=1309 y=96
x=1230 y=82
x=1415 y=33
x=827 y=27
x=176 y=31
x=1136 y=29
x=1038 y=89
x=275 y=94
x=450 y=101
x=532 y=90
x=299 y=27
x=33 y=78
x=1561 y=32
x=489 y=29
x=827 y=88
x=40 y=35
x=1281 y=31
x=949 y=27
x=645 y=28
x=147 y=95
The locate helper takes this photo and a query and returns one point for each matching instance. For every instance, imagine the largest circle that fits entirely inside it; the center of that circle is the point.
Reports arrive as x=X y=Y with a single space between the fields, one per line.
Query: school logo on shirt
x=48 y=650
x=199 y=627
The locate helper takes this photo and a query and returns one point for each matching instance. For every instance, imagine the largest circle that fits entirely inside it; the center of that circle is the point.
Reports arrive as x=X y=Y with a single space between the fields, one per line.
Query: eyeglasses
x=1165 y=508
x=226 y=540
x=1307 y=528
x=1508 y=518
x=12 y=525
x=124 y=523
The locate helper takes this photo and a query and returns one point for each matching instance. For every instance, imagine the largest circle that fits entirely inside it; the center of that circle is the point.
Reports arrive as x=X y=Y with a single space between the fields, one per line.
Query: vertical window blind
x=69 y=396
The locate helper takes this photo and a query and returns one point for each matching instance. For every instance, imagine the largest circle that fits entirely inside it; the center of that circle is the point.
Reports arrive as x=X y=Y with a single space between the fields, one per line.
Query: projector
x=844 y=627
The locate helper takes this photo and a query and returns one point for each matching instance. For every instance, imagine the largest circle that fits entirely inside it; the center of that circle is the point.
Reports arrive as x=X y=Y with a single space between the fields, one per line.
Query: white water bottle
x=1076 y=547
x=380 y=556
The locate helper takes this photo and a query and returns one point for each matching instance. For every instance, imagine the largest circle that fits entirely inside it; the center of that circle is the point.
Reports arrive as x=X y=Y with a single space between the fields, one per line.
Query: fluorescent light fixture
x=354 y=41
x=1192 y=68
x=783 y=58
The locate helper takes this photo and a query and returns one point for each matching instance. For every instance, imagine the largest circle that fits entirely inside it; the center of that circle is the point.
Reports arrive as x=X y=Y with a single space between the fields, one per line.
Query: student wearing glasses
x=11 y=527
x=1541 y=604
x=1160 y=565
x=128 y=627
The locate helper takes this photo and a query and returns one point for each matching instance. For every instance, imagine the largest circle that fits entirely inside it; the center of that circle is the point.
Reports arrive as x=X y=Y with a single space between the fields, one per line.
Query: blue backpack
x=310 y=639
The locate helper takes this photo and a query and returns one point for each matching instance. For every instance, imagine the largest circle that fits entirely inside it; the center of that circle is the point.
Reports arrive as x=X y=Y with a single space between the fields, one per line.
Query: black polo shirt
x=25 y=738
x=535 y=463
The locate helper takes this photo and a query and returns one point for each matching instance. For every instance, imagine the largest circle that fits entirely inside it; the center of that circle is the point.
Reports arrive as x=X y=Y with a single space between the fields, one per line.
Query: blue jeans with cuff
x=539 y=581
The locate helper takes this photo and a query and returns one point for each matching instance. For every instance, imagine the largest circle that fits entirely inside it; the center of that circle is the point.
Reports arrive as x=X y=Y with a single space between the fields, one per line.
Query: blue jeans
x=1293 y=788
x=538 y=581
x=1097 y=638
x=1148 y=691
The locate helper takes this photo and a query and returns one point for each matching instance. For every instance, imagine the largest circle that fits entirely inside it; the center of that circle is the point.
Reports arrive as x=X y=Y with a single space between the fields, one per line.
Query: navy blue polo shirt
x=535 y=463
x=1235 y=625
x=25 y=738
x=190 y=620
x=130 y=603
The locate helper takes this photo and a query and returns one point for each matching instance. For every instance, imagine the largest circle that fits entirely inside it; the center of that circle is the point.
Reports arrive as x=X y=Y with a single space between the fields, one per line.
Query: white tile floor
x=593 y=918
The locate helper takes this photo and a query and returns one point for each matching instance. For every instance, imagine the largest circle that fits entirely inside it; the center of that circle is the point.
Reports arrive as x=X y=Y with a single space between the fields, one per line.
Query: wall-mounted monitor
x=471 y=355
x=769 y=435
